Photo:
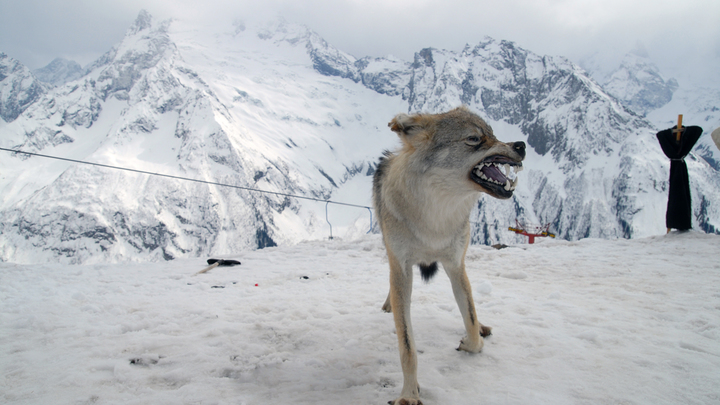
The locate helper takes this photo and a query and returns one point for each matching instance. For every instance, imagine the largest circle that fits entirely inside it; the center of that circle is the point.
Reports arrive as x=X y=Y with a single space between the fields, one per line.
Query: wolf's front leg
x=473 y=342
x=400 y=294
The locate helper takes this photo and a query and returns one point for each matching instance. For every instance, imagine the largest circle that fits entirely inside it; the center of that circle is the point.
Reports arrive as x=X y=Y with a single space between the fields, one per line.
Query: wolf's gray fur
x=423 y=195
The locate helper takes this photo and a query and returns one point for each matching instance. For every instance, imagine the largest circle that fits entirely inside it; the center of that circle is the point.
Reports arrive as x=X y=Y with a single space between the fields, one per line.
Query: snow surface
x=586 y=322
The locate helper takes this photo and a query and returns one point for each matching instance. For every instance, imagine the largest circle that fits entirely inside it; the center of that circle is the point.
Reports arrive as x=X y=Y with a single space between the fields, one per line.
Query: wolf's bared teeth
x=507 y=171
x=510 y=172
x=510 y=185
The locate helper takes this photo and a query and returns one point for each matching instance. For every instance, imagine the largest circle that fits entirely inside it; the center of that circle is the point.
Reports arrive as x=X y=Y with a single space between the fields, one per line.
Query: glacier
x=275 y=107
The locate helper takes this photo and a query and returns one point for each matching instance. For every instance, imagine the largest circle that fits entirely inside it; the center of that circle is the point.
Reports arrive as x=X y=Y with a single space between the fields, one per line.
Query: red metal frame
x=531 y=236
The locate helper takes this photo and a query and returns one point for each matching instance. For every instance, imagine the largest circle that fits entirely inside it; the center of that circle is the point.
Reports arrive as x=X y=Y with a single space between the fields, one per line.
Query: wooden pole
x=716 y=137
x=208 y=268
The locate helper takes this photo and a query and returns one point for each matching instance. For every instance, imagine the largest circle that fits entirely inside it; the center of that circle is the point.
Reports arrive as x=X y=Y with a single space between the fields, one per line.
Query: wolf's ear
x=402 y=123
x=410 y=129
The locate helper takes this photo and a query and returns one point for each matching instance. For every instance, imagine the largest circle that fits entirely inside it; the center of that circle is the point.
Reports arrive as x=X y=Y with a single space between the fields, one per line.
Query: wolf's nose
x=519 y=148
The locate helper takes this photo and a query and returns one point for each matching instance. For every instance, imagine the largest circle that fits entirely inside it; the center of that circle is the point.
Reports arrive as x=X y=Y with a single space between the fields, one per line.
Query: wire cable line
x=186 y=179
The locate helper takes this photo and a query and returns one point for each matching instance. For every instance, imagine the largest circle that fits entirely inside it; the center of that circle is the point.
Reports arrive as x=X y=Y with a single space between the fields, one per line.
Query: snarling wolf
x=423 y=195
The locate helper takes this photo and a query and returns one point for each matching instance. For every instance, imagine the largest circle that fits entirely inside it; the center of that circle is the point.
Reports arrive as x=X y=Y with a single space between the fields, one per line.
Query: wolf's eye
x=473 y=140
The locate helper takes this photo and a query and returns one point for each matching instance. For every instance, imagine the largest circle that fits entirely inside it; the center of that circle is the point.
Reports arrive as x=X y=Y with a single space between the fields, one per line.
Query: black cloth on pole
x=679 y=208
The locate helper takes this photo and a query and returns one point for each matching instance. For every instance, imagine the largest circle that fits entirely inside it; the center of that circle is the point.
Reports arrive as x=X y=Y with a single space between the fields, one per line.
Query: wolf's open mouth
x=498 y=173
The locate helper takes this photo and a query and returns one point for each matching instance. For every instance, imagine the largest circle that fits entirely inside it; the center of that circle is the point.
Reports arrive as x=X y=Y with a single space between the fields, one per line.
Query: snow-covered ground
x=586 y=322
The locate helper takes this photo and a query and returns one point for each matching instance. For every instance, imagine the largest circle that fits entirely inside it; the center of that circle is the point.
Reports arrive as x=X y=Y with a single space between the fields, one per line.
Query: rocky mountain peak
x=142 y=22
x=638 y=83
x=19 y=88
x=424 y=57
x=59 y=72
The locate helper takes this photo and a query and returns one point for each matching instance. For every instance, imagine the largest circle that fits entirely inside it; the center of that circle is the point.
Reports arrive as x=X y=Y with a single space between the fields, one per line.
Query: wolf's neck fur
x=434 y=206
x=445 y=207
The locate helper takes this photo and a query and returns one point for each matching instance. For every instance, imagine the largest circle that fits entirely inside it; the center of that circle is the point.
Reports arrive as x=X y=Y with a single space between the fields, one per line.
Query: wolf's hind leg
x=400 y=297
x=387 y=306
x=473 y=342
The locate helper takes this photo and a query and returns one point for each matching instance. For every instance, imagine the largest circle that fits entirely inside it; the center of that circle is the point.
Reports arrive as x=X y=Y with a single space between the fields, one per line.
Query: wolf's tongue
x=494 y=173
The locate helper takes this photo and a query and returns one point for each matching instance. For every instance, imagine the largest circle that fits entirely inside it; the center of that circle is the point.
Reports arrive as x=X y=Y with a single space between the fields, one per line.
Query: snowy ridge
x=59 y=72
x=142 y=106
x=18 y=88
x=594 y=167
x=277 y=108
x=639 y=85
x=699 y=106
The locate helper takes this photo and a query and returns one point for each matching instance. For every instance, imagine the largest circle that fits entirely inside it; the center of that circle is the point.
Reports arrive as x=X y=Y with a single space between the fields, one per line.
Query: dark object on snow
x=143 y=362
x=223 y=262
x=217 y=262
x=679 y=208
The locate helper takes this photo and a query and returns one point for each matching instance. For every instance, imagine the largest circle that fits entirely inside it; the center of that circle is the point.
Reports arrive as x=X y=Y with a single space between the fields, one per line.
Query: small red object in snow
x=531 y=230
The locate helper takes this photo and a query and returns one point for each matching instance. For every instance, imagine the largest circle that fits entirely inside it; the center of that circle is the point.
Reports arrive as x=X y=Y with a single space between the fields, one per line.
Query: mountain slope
x=143 y=106
x=639 y=85
x=594 y=168
x=18 y=88
x=700 y=106
x=279 y=109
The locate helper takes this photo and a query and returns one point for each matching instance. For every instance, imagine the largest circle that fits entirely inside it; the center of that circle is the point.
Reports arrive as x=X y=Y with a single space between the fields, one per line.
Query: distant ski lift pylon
x=531 y=230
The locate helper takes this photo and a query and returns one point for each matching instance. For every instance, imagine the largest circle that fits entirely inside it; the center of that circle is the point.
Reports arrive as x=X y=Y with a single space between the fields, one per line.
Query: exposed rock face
x=18 y=88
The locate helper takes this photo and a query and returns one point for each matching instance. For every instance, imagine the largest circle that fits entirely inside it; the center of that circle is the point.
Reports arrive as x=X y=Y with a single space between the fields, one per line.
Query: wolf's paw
x=469 y=346
x=406 y=401
x=387 y=307
x=485 y=331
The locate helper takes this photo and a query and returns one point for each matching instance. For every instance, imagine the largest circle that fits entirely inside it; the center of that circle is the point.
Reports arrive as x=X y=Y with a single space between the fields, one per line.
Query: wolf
x=423 y=195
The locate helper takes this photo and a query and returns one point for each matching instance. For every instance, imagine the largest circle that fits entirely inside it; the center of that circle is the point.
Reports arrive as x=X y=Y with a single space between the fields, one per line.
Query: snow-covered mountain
x=244 y=109
x=277 y=108
x=699 y=106
x=595 y=168
x=639 y=84
x=18 y=88
x=59 y=72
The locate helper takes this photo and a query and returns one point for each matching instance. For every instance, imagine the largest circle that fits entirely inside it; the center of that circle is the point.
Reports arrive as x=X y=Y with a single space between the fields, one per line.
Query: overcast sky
x=680 y=35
